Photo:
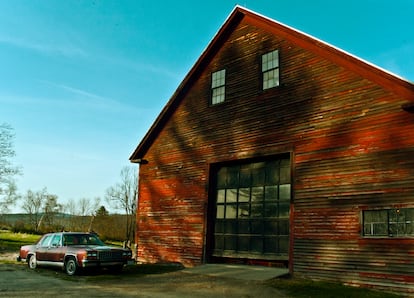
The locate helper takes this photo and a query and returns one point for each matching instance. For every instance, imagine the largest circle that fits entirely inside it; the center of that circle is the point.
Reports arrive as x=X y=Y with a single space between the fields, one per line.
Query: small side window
x=218 y=86
x=397 y=222
x=270 y=69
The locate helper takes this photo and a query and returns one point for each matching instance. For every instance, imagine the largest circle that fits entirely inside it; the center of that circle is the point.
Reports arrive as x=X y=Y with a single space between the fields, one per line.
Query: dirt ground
x=17 y=280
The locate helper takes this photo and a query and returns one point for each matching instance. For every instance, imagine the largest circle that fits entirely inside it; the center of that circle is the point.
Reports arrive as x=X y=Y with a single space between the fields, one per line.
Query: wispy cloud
x=44 y=47
x=87 y=99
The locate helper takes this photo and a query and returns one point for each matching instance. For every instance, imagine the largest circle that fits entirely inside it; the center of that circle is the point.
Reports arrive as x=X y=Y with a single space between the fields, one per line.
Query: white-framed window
x=218 y=86
x=397 y=222
x=270 y=69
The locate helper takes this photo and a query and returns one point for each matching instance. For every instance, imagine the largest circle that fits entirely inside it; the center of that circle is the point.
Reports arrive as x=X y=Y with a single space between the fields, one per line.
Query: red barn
x=280 y=149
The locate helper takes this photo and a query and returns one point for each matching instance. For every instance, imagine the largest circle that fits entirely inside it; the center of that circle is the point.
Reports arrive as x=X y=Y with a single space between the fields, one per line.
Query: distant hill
x=14 y=217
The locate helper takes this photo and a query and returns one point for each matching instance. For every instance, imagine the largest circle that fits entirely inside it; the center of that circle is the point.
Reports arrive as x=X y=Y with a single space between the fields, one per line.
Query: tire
x=71 y=267
x=32 y=263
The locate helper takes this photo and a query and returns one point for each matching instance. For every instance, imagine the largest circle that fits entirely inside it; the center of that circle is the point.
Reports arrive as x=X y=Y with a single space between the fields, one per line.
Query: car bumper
x=19 y=259
x=93 y=263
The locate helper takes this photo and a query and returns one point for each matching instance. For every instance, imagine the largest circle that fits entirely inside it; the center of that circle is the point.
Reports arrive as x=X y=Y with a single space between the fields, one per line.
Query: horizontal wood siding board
x=368 y=263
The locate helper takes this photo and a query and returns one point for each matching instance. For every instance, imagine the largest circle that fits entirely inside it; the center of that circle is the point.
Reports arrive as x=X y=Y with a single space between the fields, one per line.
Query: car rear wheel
x=71 y=267
x=32 y=263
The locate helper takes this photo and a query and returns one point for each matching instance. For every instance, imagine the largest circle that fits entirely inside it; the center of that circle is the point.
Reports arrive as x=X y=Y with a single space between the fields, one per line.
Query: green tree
x=102 y=212
x=51 y=208
x=8 y=189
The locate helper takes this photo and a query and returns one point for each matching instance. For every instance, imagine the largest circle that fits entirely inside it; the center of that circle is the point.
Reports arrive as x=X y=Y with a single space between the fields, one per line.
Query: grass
x=294 y=287
x=10 y=242
x=301 y=288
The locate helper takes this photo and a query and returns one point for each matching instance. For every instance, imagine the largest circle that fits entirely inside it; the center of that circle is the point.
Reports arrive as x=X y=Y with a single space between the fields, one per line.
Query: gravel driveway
x=16 y=280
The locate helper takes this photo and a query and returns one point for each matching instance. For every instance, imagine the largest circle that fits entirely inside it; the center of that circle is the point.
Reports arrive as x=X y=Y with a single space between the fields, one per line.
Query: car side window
x=45 y=241
x=56 y=240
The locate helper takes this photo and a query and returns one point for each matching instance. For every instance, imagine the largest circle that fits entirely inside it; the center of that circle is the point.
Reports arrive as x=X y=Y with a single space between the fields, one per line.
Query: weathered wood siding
x=353 y=149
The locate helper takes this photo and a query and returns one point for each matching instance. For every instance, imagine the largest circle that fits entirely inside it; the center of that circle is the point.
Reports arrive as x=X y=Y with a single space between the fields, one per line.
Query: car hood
x=98 y=247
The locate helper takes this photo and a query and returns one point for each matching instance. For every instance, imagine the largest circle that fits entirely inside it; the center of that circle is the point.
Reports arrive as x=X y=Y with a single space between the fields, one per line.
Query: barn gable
x=366 y=69
x=278 y=148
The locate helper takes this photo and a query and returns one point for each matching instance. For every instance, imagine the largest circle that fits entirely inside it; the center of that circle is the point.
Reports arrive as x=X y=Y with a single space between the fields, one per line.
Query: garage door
x=252 y=205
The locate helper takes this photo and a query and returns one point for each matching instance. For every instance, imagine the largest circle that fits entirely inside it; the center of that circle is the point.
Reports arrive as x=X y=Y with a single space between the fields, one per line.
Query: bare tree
x=33 y=205
x=72 y=222
x=123 y=196
x=8 y=189
x=70 y=207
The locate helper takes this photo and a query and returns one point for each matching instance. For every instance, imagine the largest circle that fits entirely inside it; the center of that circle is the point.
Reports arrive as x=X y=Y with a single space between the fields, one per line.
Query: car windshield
x=82 y=239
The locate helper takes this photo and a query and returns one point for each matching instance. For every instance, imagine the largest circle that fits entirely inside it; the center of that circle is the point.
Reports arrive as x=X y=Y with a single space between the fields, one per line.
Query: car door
x=42 y=248
x=54 y=250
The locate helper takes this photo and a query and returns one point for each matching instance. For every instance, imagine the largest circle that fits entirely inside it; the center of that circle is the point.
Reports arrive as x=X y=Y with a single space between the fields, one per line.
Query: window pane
x=283 y=244
x=376 y=222
x=284 y=210
x=285 y=174
x=256 y=244
x=243 y=211
x=230 y=227
x=219 y=245
x=270 y=227
x=271 y=193
x=218 y=78
x=257 y=194
x=244 y=227
x=221 y=195
x=219 y=227
x=257 y=211
x=256 y=227
x=271 y=210
x=284 y=192
x=270 y=60
x=233 y=177
x=271 y=79
x=244 y=194
x=230 y=243
x=231 y=210
x=218 y=95
x=231 y=195
x=220 y=211
x=270 y=245
x=245 y=176
x=222 y=178
x=272 y=173
x=380 y=229
x=243 y=243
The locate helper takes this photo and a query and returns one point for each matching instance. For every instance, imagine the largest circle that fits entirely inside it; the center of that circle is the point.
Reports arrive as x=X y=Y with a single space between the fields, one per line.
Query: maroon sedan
x=73 y=251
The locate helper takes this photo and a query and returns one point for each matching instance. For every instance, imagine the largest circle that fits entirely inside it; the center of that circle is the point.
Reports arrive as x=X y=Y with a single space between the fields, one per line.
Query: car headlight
x=127 y=254
x=91 y=255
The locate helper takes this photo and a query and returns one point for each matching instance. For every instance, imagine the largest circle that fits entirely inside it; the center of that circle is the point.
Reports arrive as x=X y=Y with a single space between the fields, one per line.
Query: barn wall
x=353 y=147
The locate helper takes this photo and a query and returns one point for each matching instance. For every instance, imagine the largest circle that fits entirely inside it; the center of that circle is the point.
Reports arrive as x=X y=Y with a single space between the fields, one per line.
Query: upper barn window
x=218 y=86
x=270 y=69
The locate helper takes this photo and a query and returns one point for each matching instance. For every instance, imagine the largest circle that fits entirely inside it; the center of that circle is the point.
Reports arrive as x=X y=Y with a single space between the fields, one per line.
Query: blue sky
x=81 y=81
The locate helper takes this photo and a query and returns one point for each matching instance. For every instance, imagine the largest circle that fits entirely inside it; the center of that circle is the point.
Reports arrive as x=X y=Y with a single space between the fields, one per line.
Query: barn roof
x=370 y=71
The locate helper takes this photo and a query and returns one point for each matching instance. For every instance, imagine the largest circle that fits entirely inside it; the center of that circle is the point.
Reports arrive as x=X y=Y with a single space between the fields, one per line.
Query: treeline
x=108 y=227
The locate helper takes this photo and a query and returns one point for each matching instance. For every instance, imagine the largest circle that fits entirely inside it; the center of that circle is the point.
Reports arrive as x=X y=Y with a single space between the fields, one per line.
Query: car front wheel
x=71 y=267
x=32 y=262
